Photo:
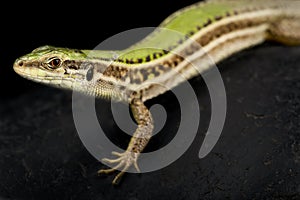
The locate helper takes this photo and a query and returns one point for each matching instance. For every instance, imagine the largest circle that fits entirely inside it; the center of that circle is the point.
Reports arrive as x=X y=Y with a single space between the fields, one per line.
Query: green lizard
x=221 y=27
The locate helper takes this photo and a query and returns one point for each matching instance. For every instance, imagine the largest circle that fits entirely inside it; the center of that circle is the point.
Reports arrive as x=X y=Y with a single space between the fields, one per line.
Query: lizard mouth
x=42 y=76
x=22 y=71
x=26 y=72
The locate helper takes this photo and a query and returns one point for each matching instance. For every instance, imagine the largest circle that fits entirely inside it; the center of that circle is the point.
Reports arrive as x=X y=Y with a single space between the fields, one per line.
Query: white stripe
x=216 y=51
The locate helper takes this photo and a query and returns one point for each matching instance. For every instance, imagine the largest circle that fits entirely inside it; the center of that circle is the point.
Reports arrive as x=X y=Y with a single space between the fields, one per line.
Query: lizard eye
x=54 y=62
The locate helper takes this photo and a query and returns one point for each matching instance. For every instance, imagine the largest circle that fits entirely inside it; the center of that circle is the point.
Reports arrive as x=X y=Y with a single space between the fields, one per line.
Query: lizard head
x=67 y=68
x=53 y=66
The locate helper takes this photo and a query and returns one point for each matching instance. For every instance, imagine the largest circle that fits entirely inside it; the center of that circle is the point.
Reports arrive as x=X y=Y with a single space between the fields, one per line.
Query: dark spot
x=207 y=23
x=167 y=64
x=165 y=51
x=217 y=18
x=109 y=83
x=189 y=51
x=155 y=72
x=102 y=82
x=137 y=81
x=73 y=67
x=150 y=87
x=160 y=54
x=175 y=63
x=122 y=87
x=198 y=28
x=148 y=58
x=162 y=68
x=77 y=51
x=71 y=64
x=180 y=41
x=228 y=14
x=144 y=74
x=218 y=34
x=20 y=63
x=104 y=59
x=249 y=23
x=90 y=74
x=129 y=61
x=232 y=26
x=139 y=60
x=123 y=78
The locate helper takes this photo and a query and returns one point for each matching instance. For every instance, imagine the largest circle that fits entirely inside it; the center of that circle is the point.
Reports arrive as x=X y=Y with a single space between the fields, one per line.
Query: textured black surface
x=257 y=156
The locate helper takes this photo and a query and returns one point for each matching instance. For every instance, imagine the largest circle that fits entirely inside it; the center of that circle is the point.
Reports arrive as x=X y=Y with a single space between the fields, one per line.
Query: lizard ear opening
x=90 y=74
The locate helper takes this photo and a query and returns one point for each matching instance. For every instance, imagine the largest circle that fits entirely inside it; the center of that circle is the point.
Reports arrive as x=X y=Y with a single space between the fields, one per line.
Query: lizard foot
x=124 y=161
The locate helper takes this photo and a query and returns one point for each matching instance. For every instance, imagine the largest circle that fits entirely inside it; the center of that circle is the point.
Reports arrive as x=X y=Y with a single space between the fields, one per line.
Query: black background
x=82 y=25
x=41 y=156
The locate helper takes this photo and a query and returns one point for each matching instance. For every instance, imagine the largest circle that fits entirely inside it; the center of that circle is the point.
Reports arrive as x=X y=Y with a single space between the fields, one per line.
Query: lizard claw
x=125 y=161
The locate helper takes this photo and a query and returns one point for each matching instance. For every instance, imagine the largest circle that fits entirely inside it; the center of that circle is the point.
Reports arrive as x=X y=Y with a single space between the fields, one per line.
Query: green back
x=177 y=28
x=180 y=26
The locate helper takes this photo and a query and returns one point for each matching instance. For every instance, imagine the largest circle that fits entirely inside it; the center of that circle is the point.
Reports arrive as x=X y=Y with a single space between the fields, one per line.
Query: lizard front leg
x=137 y=143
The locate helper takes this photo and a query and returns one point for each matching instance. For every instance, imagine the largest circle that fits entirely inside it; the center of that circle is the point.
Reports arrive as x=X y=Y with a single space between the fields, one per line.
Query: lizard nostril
x=20 y=63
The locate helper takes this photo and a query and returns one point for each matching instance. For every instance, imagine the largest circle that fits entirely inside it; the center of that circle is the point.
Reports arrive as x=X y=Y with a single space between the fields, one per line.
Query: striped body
x=185 y=44
x=229 y=31
x=221 y=29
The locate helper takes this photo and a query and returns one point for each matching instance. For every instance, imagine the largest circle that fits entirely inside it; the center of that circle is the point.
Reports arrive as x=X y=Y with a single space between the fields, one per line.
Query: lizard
x=220 y=27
